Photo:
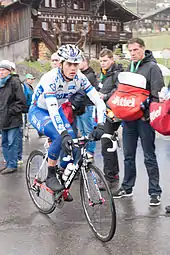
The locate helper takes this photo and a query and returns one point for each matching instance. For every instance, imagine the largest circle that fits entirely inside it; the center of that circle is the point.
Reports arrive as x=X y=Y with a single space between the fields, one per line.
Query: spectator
x=12 y=103
x=143 y=63
x=55 y=60
x=107 y=85
x=28 y=88
x=20 y=142
x=85 y=122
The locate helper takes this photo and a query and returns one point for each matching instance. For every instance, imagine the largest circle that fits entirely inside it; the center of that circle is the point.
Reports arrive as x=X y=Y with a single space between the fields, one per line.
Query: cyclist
x=46 y=115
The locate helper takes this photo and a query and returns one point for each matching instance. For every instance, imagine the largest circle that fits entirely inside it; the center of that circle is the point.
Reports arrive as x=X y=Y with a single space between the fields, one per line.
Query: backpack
x=160 y=116
x=131 y=92
x=28 y=92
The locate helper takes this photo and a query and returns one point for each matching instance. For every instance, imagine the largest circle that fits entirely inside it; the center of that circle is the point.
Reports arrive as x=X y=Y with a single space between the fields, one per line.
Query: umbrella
x=165 y=70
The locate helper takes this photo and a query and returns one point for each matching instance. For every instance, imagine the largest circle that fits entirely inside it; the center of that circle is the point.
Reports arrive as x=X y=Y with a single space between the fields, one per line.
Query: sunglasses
x=54 y=60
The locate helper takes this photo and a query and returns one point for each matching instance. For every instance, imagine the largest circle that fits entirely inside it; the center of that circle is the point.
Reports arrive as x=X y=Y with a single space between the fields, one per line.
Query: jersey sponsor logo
x=60 y=93
x=60 y=127
x=53 y=86
x=39 y=91
x=155 y=114
x=70 y=87
x=57 y=119
x=124 y=101
x=35 y=122
x=84 y=82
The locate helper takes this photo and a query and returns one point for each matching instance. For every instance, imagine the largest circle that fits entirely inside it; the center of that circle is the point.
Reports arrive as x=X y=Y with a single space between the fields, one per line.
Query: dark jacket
x=110 y=81
x=12 y=103
x=151 y=71
x=91 y=76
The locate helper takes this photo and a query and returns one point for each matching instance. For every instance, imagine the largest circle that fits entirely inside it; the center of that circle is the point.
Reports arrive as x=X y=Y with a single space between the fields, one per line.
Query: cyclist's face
x=70 y=69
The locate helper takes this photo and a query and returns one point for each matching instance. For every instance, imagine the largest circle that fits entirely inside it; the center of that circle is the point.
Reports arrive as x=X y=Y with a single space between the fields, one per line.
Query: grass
x=38 y=66
x=155 y=41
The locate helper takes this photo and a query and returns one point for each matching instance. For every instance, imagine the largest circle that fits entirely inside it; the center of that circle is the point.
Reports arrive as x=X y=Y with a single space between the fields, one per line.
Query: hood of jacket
x=148 y=57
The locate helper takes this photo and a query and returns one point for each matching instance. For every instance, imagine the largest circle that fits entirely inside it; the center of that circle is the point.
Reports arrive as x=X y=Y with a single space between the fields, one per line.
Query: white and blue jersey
x=53 y=90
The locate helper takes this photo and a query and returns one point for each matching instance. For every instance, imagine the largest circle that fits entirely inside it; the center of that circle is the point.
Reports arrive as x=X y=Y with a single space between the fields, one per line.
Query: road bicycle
x=98 y=206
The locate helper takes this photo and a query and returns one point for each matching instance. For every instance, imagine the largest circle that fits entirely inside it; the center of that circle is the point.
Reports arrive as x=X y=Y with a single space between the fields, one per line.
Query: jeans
x=10 y=143
x=131 y=131
x=20 y=146
x=85 y=124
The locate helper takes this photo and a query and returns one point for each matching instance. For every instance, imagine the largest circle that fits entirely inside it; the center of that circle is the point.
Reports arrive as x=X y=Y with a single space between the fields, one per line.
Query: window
x=114 y=28
x=47 y=3
x=63 y=27
x=82 y=5
x=75 y=5
x=102 y=27
x=45 y=25
x=72 y=27
x=53 y=3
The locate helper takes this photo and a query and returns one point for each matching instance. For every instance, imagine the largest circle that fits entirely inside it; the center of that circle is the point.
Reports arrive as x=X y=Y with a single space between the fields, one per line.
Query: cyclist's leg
x=69 y=129
x=41 y=120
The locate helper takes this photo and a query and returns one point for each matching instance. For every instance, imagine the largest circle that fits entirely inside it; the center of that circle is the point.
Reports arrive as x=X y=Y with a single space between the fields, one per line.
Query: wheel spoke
x=100 y=213
x=40 y=194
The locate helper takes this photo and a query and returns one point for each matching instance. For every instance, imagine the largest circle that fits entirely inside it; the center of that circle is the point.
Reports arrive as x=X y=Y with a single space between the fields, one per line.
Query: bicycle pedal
x=57 y=196
x=59 y=203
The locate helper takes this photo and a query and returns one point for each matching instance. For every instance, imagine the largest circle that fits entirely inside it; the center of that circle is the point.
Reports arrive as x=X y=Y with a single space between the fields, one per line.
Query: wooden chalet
x=153 y=22
x=37 y=28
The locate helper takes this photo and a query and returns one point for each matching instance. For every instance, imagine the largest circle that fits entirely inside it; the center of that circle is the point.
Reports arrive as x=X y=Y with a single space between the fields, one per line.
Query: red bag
x=68 y=112
x=160 y=117
x=126 y=100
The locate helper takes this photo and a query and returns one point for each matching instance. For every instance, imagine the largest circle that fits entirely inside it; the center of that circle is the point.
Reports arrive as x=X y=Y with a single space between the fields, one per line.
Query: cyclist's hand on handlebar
x=97 y=132
x=66 y=143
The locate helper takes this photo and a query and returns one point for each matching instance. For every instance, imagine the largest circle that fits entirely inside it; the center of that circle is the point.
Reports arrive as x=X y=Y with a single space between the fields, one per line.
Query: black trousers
x=110 y=159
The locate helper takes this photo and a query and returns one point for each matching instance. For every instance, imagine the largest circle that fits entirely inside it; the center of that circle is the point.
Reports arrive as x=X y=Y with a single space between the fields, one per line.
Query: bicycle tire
x=32 y=166
x=104 y=237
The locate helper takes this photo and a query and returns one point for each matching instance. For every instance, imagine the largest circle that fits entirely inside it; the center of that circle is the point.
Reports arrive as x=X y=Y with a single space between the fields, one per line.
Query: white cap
x=55 y=56
x=13 y=66
x=6 y=64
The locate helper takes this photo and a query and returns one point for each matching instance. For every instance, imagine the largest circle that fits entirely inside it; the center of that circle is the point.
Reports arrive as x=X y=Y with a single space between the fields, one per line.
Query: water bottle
x=70 y=167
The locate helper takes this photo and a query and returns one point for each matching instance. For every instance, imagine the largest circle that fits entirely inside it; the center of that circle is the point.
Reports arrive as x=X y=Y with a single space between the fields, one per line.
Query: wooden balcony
x=73 y=37
x=36 y=33
x=69 y=37
x=111 y=36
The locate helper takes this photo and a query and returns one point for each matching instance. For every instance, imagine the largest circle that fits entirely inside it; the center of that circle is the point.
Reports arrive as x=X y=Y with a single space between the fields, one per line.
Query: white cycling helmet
x=70 y=53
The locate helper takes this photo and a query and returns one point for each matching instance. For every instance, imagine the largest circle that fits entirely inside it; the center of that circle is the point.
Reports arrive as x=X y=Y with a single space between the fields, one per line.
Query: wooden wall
x=15 y=24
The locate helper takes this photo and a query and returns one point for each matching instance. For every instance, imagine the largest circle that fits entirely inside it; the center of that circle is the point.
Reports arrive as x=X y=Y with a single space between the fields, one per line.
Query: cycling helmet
x=70 y=53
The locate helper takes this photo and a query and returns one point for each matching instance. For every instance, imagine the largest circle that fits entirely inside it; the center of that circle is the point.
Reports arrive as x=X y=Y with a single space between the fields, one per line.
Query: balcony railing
x=97 y=35
x=73 y=37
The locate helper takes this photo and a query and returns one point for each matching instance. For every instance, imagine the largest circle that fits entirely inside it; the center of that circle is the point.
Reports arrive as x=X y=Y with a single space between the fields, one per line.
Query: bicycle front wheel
x=36 y=172
x=98 y=205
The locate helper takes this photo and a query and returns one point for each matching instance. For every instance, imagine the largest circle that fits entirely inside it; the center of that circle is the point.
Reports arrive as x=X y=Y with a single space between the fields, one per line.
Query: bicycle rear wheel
x=99 y=210
x=38 y=191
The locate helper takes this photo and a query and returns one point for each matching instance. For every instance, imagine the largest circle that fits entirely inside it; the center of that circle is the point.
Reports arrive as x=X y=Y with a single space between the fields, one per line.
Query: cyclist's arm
x=52 y=106
x=48 y=87
x=100 y=105
x=95 y=98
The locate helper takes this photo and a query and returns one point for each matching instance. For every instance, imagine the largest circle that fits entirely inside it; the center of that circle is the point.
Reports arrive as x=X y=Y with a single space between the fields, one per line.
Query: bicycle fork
x=101 y=199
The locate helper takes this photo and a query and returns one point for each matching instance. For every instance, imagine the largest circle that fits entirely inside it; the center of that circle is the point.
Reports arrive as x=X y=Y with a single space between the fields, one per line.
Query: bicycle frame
x=82 y=166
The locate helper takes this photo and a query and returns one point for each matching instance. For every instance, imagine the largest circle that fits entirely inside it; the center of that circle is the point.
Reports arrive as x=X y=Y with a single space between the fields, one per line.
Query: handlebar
x=114 y=139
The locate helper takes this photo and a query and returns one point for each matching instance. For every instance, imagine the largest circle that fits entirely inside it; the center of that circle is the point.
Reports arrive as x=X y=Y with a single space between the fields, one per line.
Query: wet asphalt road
x=140 y=228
